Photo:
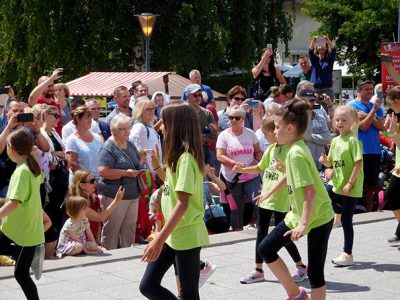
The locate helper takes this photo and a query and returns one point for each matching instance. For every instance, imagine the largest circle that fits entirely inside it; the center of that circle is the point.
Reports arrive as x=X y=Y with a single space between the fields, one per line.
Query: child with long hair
x=184 y=233
x=346 y=158
x=277 y=204
x=22 y=232
x=76 y=237
x=311 y=210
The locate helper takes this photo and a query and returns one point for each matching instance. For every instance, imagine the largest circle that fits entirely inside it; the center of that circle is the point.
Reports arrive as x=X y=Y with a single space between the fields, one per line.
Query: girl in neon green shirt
x=311 y=210
x=184 y=232
x=346 y=157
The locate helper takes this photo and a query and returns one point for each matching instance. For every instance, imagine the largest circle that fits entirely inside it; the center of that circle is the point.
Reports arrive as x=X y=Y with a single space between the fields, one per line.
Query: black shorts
x=371 y=167
x=392 y=195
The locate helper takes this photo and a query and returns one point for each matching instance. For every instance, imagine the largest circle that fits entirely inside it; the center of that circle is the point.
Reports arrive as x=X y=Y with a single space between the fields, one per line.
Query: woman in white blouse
x=143 y=134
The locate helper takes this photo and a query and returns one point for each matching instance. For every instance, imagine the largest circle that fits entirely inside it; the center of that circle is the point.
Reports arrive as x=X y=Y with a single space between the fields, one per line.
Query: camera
x=4 y=90
x=25 y=117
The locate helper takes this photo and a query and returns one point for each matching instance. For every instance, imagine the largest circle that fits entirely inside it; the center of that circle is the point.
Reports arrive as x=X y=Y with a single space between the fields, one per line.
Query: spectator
x=371 y=122
x=378 y=94
x=143 y=134
x=304 y=62
x=207 y=123
x=279 y=95
x=84 y=185
x=121 y=96
x=235 y=96
x=94 y=108
x=58 y=174
x=7 y=166
x=133 y=93
x=83 y=146
x=238 y=146
x=159 y=99
x=195 y=78
x=266 y=74
x=61 y=95
x=4 y=100
x=322 y=54
x=320 y=134
x=140 y=91
x=119 y=164
x=44 y=93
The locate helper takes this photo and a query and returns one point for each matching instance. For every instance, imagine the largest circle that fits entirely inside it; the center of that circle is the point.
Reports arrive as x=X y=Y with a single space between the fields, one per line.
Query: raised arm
x=38 y=90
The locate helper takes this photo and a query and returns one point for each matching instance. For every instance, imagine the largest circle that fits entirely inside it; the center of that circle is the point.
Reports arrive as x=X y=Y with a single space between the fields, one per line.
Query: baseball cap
x=192 y=88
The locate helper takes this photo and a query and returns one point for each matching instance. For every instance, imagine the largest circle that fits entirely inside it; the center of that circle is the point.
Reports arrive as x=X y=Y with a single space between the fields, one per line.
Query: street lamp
x=147 y=21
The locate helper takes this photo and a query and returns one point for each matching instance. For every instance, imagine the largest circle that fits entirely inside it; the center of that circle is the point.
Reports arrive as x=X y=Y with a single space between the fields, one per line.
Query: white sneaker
x=343 y=260
x=205 y=273
x=253 y=276
x=37 y=262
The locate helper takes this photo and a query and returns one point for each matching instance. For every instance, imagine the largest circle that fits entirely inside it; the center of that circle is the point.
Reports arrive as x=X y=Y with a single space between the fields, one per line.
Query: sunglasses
x=239 y=98
x=57 y=116
x=91 y=181
x=235 y=118
x=198 y=95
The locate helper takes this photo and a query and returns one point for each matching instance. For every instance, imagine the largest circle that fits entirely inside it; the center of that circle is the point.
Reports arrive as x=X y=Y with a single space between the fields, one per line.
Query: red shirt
x=43 y=100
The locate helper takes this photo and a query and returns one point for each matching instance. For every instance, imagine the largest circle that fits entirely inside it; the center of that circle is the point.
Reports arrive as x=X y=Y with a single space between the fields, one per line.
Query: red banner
x=391 y=49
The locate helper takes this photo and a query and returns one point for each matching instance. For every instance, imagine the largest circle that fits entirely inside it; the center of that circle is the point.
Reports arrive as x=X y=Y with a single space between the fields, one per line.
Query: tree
x=358 y=28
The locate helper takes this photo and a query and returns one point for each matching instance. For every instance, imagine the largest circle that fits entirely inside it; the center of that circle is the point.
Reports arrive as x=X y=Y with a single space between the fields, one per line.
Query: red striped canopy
x=102 y=84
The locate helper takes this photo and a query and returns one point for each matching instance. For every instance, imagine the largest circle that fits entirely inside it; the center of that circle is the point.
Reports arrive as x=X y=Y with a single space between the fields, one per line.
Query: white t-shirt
x=262 y=140
x=239 y=148
x=70 y=128
x=139 y=137
x=88 y=153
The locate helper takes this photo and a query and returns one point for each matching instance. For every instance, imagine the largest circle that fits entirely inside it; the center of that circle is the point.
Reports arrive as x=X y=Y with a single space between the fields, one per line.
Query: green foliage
x=358 y=27
x=83 y=36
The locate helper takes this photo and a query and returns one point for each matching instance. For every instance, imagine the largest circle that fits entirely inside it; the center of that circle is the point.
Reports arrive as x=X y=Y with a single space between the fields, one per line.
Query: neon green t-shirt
x=278 y=201
x=191 y=230
x=344 y=152
x=25 y=225
x=301 y=171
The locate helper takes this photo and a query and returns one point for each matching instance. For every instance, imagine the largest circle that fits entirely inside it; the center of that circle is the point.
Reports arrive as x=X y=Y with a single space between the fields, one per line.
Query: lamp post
x=147 y=21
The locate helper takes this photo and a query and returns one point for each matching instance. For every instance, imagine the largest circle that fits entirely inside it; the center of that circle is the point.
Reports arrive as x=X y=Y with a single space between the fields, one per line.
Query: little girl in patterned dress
x=76 y=236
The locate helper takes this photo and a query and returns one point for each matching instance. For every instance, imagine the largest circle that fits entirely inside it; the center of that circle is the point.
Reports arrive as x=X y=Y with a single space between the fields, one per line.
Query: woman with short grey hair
x=119 y=164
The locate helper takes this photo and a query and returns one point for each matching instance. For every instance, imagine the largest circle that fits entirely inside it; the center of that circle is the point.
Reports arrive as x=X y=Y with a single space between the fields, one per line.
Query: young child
x=184 y=233
x=22 y=232
x=345 y=157
x=277 y=204
x=76 y=236
x=311 y=209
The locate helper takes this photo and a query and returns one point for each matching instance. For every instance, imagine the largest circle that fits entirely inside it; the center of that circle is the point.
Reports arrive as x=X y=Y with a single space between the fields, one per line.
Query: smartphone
x=253 y=103
x=4 y=90
x=386 y=58
x=25 y=117
x=321 y=42
x=121 y=182
x=379 y=95
x=269 y=46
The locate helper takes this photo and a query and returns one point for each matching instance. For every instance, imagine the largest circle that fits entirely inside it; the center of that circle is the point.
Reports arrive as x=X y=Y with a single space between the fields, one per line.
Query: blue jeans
x=317 y=247
x=187 y=264
x=345 y=206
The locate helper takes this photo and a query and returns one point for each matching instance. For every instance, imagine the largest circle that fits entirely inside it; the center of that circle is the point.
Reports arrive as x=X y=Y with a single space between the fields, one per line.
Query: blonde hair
x=75 y=188
x=74 y=205
x=140 y=108
x=267 y=123
x=64 y=87
x=37 y=110
x=350 y=112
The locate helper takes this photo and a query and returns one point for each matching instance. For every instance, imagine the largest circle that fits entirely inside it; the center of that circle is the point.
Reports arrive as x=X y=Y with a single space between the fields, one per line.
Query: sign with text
x=392 y=49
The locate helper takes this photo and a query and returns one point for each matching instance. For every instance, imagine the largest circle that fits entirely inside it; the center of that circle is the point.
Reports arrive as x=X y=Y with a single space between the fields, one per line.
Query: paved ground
x=375 y=275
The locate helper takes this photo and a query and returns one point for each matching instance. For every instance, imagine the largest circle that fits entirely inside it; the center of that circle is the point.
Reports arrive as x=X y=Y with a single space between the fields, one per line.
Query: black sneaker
x=394 y=239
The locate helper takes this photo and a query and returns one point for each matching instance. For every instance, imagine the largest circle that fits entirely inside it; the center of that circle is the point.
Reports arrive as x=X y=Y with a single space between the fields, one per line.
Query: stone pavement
x=375 y=275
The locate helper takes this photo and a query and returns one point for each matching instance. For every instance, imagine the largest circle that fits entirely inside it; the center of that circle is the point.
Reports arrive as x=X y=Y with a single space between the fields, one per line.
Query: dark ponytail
x=296 y=112
x=21 y=141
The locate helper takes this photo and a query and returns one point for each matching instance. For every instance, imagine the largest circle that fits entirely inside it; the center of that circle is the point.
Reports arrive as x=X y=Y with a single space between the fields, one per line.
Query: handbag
x=214 y=215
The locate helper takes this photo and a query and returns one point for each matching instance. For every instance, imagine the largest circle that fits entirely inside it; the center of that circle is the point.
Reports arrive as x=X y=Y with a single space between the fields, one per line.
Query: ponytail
x=33 y=165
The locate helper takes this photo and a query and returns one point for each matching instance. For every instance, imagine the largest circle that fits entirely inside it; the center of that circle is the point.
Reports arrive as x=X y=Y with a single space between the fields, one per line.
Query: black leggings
x=23 y=257
x=392 y=197
x=345 y=206
x=263 y=222
x=317 y=246
x=188 y=268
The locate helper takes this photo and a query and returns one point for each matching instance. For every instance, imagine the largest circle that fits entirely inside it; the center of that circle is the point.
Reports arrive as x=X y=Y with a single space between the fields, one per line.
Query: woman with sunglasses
x=236 y=96
x=58 y=179
x=238 y=146
x=84 y=185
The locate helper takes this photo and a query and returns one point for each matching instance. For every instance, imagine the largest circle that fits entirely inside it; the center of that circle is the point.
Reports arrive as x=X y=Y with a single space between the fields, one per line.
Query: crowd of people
x=74 y=183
